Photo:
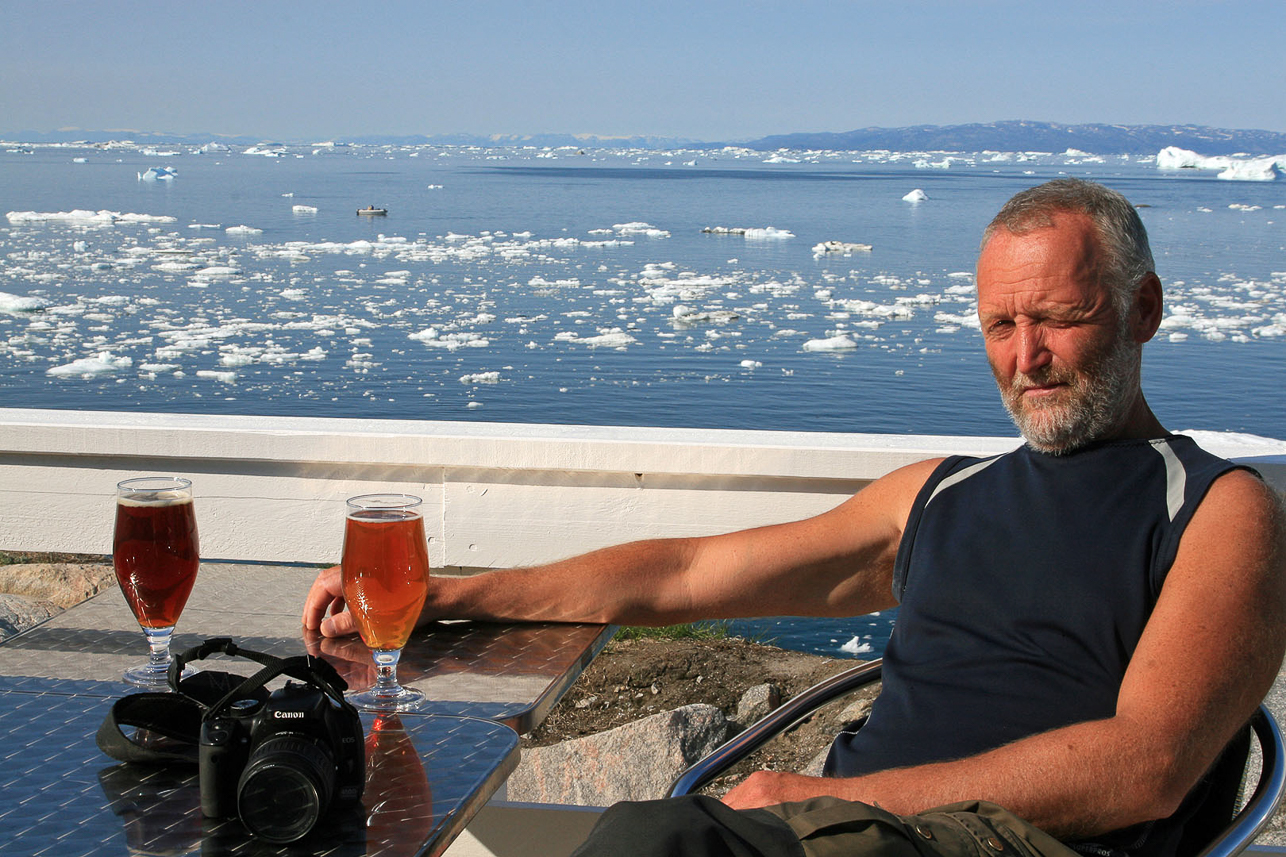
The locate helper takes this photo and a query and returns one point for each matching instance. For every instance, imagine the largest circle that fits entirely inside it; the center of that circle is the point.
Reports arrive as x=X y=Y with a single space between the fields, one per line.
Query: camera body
x=280 y=763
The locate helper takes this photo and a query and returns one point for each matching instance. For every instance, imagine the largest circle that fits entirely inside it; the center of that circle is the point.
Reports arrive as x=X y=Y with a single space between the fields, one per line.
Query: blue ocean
x=813 y=291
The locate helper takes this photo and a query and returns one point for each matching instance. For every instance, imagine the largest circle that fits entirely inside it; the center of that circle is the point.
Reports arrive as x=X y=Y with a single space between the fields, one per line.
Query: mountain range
x=1009 y=136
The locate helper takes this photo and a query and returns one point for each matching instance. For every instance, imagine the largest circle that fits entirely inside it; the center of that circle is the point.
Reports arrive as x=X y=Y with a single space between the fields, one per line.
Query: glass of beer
x=385 y=572
x=155 y=553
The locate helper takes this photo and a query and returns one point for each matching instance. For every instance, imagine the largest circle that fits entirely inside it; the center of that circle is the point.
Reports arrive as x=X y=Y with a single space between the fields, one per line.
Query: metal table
x=426 y=776
x=427 y=773
x=511 y=673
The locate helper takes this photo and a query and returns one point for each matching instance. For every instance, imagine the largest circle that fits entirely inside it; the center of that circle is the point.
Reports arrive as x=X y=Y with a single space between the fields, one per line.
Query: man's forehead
x=1060 y=263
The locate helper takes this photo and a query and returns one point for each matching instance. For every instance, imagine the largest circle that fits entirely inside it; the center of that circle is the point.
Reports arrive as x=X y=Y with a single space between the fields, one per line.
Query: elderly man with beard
x=1085 y=623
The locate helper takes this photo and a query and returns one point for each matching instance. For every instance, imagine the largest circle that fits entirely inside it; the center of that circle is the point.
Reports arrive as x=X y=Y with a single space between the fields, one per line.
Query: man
x=1085 y=622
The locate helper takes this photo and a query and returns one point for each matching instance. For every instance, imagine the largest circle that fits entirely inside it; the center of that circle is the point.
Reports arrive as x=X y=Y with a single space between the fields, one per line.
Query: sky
x=709 y=71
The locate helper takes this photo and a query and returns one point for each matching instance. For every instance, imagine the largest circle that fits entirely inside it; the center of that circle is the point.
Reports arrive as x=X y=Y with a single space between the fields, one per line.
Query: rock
x=18 y=613
x=757 y=702
x=64 y=584
x=30 y=594
x=815 y=764
x=859 y=709
x=637 y=761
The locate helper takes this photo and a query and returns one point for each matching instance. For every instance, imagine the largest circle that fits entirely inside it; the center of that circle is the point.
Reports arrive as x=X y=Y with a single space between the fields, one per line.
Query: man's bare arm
x=1208 y=655
x=838 y=563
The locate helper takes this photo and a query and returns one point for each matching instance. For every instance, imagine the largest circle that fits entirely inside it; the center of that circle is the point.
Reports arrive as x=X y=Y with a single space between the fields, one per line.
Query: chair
x=1245 y=825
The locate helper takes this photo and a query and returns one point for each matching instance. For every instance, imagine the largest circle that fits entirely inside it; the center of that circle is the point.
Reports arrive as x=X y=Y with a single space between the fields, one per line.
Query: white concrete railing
x=496 y=495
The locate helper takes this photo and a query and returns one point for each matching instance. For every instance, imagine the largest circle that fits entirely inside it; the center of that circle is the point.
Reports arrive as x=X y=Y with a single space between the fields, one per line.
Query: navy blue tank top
x=1025 y=581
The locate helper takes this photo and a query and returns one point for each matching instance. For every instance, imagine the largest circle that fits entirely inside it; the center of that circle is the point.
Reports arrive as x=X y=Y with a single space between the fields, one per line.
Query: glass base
x=148 y=676
x=387 y=699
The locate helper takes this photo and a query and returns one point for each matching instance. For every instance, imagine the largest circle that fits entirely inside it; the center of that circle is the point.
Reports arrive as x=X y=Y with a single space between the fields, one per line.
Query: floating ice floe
x=434 y=338
x=104 y=363
x=684 y=314
x=20 y=305
x=610 y=338
x=243 y=230
x=856 y=646
x=80 y=217
x=222 y=377
x=158 y=174
x=916 y=195
x=751 y=233
x=751 y=364
x=638 y=228
x=481 y=378
x=304 y=209
x=844 y=247
x=840 y=342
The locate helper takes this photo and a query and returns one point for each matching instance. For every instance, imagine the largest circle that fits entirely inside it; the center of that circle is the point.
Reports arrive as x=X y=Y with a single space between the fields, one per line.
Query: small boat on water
x=372 y=211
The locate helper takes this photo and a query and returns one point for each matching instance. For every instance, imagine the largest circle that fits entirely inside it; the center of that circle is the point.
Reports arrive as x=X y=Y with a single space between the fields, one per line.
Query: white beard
x=1096 y=401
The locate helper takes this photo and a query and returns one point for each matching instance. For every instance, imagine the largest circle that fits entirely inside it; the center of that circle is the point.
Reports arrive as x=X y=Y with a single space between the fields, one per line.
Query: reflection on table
x=425 y=778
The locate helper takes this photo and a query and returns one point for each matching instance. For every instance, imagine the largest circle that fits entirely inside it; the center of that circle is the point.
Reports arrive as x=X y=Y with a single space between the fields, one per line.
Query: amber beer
x=156 y=558
x=386 y=574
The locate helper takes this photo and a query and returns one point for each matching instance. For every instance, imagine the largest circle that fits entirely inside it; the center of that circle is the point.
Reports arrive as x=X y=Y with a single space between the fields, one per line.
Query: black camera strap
x=170 y=723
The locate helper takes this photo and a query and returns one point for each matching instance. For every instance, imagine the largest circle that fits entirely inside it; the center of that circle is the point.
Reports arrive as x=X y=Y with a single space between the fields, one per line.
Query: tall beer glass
x=385 y=571
x=155 y=553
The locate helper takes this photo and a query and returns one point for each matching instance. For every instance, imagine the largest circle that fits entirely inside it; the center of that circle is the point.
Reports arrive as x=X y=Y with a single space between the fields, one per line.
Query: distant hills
x=1024 y=136
x=1011 y=136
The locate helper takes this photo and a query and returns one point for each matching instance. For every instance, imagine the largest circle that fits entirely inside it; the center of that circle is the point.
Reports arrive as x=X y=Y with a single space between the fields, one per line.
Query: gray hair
x=1120 y=231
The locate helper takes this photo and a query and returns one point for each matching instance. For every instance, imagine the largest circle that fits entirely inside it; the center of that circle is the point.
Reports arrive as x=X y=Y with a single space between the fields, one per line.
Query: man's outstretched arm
x=1208 y=655
x=839 y=563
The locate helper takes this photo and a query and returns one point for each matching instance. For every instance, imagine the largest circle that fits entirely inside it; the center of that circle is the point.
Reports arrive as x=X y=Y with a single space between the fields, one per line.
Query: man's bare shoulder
x=893 y=494
x=1245 y=494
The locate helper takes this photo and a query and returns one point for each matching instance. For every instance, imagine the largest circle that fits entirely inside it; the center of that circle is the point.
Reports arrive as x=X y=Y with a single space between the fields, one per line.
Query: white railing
x=496 y=495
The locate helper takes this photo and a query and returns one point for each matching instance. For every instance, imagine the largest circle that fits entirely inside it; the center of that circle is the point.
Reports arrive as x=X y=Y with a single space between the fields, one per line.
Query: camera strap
x=168 y=725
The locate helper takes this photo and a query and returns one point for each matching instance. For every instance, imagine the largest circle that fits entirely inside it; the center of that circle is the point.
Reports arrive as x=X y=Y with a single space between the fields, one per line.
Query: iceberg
x=16 y=304
x=840 y=247
x=304 y=209
x=1257 y=170
x=834 y=343
x=88 y=367
x=1231 y=169
x=157 y=174
x=916 y=195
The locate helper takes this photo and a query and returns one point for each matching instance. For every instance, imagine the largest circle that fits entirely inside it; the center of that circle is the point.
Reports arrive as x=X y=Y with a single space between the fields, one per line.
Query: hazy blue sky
x=710 y=71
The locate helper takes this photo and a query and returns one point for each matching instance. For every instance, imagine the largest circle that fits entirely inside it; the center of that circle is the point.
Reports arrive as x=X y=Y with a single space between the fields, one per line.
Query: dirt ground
x=633 y=679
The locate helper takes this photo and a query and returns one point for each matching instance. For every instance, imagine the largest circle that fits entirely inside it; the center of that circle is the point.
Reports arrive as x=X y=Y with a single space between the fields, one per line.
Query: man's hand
x=350 y=657
x=768 y=788
x=327 y=594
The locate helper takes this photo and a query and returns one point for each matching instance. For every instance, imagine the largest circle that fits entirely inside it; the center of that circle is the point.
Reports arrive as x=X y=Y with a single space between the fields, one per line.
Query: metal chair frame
x=1248 y=822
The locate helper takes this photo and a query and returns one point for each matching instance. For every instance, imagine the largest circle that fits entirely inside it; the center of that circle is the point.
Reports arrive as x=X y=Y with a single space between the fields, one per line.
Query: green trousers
x=698 y=826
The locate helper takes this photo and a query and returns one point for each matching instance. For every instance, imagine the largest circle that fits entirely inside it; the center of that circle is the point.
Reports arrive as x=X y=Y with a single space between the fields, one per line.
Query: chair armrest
x=781 y=719
x=1254 y=816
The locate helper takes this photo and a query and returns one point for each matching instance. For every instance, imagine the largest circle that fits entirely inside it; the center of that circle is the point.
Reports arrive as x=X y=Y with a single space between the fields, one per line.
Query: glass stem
x=158 y=643
x=386 y=671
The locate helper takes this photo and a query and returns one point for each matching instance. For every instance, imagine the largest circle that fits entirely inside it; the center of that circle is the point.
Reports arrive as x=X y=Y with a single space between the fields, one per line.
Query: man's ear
x=1145 y=315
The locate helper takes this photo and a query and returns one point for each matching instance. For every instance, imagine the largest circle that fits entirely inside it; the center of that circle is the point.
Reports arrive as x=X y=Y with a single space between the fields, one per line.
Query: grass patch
x=43 y=557
x=713 y=630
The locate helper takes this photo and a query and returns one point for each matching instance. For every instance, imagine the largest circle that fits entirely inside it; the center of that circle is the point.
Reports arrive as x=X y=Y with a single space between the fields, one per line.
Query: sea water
x=623 y=287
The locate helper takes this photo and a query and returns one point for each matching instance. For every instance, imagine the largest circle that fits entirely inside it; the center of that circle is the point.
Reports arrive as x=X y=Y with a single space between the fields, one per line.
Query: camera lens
x=285 y=787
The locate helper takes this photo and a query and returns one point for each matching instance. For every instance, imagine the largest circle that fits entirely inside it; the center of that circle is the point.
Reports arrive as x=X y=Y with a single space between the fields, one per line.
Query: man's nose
x=1033 y=353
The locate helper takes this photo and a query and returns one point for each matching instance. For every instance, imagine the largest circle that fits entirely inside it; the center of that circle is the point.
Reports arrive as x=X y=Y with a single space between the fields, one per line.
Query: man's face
x=1066 y=366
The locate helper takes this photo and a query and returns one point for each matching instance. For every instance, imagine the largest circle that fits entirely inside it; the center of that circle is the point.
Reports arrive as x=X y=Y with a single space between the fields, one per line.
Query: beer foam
x=165 y=497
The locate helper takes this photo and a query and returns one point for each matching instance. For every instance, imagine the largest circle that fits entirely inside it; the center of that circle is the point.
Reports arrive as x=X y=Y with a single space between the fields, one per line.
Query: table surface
x=426 y=776
x=511 y=673
x=428 y=772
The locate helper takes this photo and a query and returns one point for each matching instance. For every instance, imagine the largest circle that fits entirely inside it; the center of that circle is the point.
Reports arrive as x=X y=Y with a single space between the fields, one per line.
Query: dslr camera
x=279 y=763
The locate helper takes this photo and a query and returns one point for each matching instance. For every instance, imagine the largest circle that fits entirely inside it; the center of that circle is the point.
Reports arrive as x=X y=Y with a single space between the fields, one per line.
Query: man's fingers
x=338 y=625
x=326 y=594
